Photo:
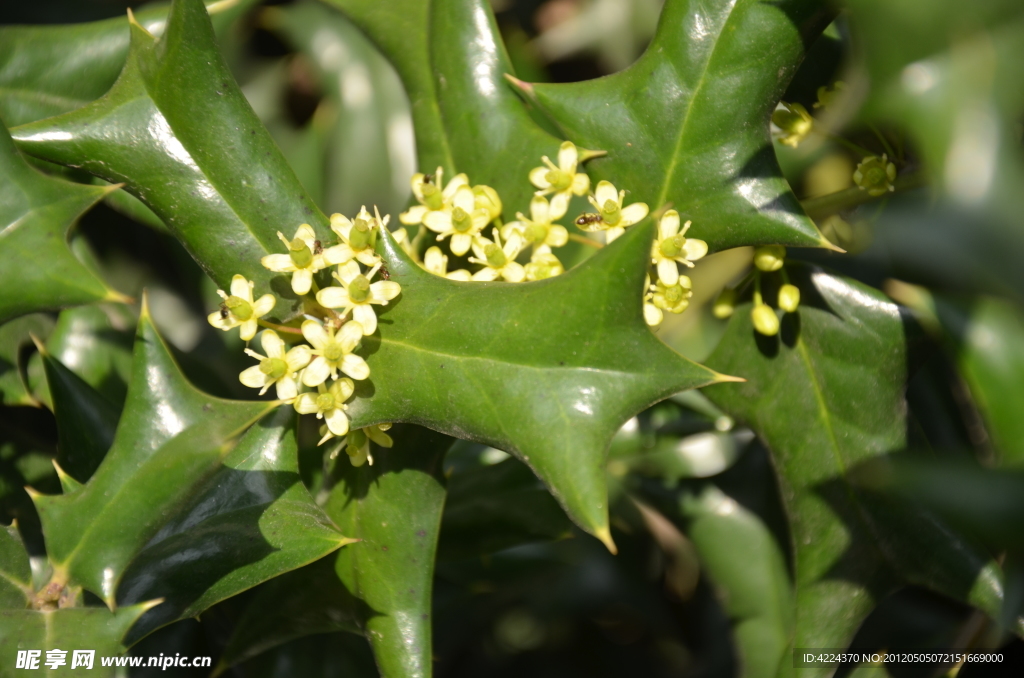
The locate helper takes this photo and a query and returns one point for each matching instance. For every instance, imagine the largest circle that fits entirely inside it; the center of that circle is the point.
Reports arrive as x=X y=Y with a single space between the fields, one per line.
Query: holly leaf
x=198 y=156
x=394 y=507
x=37 y=269
x=171 y=437
x=546 y=371
x=826 y=395
x=14 y=336
x=251 y=521
x=15 y=572
x=688 y=123
x=95 y=342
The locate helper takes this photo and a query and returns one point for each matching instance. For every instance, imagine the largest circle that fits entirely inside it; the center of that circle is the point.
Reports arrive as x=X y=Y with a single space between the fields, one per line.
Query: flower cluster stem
x=840 y=201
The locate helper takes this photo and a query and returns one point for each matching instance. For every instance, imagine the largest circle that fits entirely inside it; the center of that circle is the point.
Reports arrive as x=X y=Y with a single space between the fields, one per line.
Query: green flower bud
x=275 y=368
x=432 y=196
x=875 y=175
x=333 y=352
x=485 y=197
x=535 y=233
x=789 y=298
x=725 y=304
x=672 y=247
x=764 y=319
x=461 y=220
x=794 y=122
x=325 y=401
x=770 y=257
x=495 y=256
x=558 y=179
x=239 y=307
x=359 y=289
x=611 y=212
x=359 y=235
x=300 y=254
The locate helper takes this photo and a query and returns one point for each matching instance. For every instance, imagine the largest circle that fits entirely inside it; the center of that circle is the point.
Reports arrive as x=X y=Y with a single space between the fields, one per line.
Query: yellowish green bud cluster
x=875 y=175
x=762 y=316
x=794 y=123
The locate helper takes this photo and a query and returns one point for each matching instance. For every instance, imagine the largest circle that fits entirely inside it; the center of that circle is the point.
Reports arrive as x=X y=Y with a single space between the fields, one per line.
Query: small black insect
x=587 y=219
x=427 y=178
x=385 y=274
x=318 y=248
x=223 y=312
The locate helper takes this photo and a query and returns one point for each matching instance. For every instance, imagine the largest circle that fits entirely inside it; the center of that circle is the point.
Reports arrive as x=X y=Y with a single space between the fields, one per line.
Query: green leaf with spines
x=14 y=337
x=37 y=269
x=95 y=342
x=825 y=395
x=171 y=437
x=249 y=522
x=394 y=507
x=519 y=368
x=175 y=129
x=15 y=572
x=688 y=123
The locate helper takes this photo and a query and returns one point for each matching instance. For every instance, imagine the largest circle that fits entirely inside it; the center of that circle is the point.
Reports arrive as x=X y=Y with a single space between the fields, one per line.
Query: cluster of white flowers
x=307 y=374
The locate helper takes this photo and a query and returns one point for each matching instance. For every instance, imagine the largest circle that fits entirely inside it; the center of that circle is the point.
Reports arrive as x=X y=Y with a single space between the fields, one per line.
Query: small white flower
x=437 y=263
x=328 y=403
x=357 y=444
x=562 y=180
x=543 y=264
x=498 y=261
x=277 y=367
x=672 y=246
x=358 y=237
x=333 y=352
x=539 y=230
x=462 y=222
x=305 y=257
x=356 y=294
x=614 y=217
x=431 y=197
x=239 y=309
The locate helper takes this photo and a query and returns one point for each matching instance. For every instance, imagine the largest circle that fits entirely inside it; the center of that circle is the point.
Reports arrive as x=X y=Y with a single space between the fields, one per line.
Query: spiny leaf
x=547 y=371
x=177 y=131
x=171 y=437
x=688 y=123
x=95 y=342
x=14 y=336
x=826 y=395
x=394 y=507
x=15 y=572
x=250 y=522
x=452 y=62
x=37 y=269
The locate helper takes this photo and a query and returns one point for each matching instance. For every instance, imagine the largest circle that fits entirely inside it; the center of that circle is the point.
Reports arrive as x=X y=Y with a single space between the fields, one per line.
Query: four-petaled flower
x=614 y=217
x=538 y=229
x=561 y=180
x=358 y=237
x=436 y=262
x=498 y=261
x=357 y=444
x=305 y=257
x=333 y=352
x=462 y=222
x=277 y=367
x=875 y=175
x=239 y=309
x=356 y=294
x=432 y=198
x=328 y=403
x=672 y=298
x=673 y=246
x=543 y=264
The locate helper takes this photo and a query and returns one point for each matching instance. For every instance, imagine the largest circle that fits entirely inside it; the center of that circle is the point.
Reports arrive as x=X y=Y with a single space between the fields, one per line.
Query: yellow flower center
x=300 y=254
x=359 y=289
x=536 y=233
x=611 y=213
x=432 y=196
x=558 y=179
x=672 y=247
x=333 y=352
x=239 y=307
x=495 y=256
x=275 y=368
x=674 y=294
x=325 y=402
x=359 y=236
x=461 y=220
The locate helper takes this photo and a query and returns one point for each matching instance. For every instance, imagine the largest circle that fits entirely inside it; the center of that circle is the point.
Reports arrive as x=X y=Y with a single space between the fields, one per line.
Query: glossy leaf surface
x=687 y=124
x=177 y=131
x=95 y=342
x=251 y=521
x=15 y=335
x=171 y=437
x=394 y=507
x=452 y=62
x=826 y=394
x=37 y=269
x=519 y=368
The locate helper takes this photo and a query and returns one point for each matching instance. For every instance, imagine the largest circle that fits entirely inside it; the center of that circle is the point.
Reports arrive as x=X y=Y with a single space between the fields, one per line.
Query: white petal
x=457 y=182
x=368 y=257
x=365 y=316
x=567 y=157
x=538 y=177
x=557 y=236
x=435 y=261
x=247 y=330
x=439 y=222
x=348 y=271
x=485 y=274
x=416 y=183
x=338 y=254
x=461 y=243
x=580 y=184
x=652 y=315
x=613 y=234
x=460 y=274
x=668 y=272
x=314 y=332
x=539 y=211
x=302 y=280
x=355 y=367
x=464 y=198
x=241 y=288
x=280 y=263
x=559 y=203
x=272 y=344
x=333 y=297
x=253 y=377
x=298 y=357
x=385 y=290
x=513 y=272
x=414 y=215
x=604 y=192
x=337 y=422
x=633 y=213
x=479 y=243
x=669 y=225
x=263 y=305
x=341 y=224
x=317 y=372
x=305 y=403
x=695 y=248
x=286 y=388
x=222 y=323
x=306 y=233
x=350 y=335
